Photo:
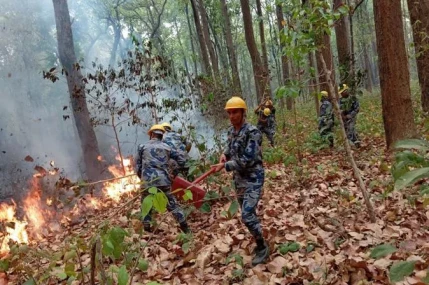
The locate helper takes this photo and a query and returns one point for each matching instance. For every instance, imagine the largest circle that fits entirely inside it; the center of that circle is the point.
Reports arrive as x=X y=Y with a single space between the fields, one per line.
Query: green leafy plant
x=288 y=247
x=237 y=274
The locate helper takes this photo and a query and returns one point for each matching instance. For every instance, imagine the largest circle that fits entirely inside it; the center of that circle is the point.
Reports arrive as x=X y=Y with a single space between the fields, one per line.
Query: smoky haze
x=35 y=114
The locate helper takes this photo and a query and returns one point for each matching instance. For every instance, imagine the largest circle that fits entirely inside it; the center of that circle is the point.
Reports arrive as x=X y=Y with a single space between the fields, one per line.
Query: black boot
x=262 y=251
x=184 y=227
x=147 y=228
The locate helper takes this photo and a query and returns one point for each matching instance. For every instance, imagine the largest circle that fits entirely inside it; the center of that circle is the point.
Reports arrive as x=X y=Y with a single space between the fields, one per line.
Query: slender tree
x=258 y=68
x=203 y=49
x=343 y=42
x=231 y=50
x=394 y=74
x=285 y=65
x=76 y=89
x=419 y=15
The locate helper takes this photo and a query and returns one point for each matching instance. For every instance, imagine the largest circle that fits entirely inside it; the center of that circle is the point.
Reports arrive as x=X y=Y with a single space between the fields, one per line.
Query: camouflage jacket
x=349 y=106
x=152 y=162
x=326 y=116
x=266 y=121
x=244 y=155
x=174 y=140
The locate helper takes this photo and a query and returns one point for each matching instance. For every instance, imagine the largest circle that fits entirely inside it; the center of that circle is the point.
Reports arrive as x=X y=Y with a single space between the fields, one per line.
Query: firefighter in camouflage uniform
x=178 y=143
x=326 y=119
x=243 y=156
x=266 y=119
x=349 y=106
x=152 y=168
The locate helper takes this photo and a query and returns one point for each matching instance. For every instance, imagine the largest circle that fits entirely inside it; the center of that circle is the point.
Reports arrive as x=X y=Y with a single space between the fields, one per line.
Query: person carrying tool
x=326 y=119
x=151 y=167
x=266 y=119
x=177 y=142
x=349 y=107
x=243 y=156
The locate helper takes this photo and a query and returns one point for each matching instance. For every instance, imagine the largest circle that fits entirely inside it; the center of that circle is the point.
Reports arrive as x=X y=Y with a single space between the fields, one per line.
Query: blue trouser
x=172 y=206
x=248 y=198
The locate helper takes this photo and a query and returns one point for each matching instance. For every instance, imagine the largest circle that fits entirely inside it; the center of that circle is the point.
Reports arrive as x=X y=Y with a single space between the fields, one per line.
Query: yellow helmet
x=235 y=103
x=267 y=112
x=344 y=88
x=324 y=93
x=156 y=129
x=166 y=125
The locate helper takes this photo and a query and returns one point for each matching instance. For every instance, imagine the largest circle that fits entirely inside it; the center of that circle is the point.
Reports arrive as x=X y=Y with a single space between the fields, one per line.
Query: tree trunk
x=285 y=65
x=313 y=83
x=191 y=38
x=231 y=51
x=206 y=35
x=419 y=12
x=325 y=51
x=343 y=43
x=367 y=64
x=258 y=67
x=262 y=36
x=117 y=30
x=77 y=90
x=204 y=55
x=394 y=74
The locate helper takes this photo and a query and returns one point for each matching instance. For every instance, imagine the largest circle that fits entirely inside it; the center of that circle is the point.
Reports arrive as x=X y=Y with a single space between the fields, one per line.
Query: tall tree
x=204 y=54
x=259 y=73
x=343 y=42
x=77 y=90
x=394 y=74
x=285 y=65
x=262 y=35
x=419 y=12
x=207 y=40
x=231 y=50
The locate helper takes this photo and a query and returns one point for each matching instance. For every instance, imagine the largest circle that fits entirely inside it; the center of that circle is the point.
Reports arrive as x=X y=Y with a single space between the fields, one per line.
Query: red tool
x=180 y=184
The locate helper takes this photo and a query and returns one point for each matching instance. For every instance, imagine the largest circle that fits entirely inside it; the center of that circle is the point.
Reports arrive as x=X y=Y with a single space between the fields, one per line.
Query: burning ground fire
x=39 y=212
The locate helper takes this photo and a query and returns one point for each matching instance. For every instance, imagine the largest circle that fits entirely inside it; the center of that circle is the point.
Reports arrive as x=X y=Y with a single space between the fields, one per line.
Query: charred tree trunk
x=204 y=55
x=343 y=43
x=285 y=65
x=206 y=35
x=231 y=51
x=419 y=15
x=77 y=90
x=258 y=67
x=394 y=74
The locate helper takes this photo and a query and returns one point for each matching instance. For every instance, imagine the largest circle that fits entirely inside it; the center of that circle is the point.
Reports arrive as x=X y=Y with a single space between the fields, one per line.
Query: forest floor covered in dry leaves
x=312 y=213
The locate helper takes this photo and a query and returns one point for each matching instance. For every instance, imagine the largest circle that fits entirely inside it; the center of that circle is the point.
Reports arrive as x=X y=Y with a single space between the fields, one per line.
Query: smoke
x=35 y=114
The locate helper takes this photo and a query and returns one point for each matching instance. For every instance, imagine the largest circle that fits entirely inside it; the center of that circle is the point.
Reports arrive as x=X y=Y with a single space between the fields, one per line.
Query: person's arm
x=355 y=108
x=139 y=162
x=251 y=151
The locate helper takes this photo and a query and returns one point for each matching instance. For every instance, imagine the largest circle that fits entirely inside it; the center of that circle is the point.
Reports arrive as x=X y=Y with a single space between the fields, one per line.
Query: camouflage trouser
x=326 y=133
x=172 y=206
x=269 y=131
x=349 y=125
x=248 y=198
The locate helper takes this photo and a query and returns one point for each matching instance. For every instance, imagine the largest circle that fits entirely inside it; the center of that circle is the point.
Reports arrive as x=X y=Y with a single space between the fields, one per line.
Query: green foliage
x=237 y=274
x=113 y=242
x=411 y=164
x=401 y=269
x=288 y=247
x=382 y=251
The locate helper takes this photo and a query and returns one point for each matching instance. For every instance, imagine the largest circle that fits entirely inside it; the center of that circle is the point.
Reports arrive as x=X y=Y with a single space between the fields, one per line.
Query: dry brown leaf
x=277 y=264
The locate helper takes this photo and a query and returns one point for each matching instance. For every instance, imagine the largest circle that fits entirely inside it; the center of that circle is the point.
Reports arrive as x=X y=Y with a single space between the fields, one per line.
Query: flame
x=15 y=229
x=116 y=188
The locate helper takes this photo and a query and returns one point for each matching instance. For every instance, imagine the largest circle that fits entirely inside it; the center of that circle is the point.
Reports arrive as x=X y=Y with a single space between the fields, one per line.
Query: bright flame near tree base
x=36 y=213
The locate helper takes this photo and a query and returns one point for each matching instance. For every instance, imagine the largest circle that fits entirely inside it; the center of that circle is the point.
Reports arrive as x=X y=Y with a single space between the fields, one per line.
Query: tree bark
x=285 y=65
x=117 y=32
x=258 y=67
x=313 y=83
x=394 y=74
x=77 y=90
x=191 y=38
x=343 y=43
x=419 y=15
x=204 y=54
x=231 y=51
x=206 y=35
x=262 y=36
x=325 y=52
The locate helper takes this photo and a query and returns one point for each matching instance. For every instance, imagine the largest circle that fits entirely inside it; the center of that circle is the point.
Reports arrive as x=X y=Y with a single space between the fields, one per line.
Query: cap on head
x=343 y=88
x=324 y=93
x=235 y=103
x=267 y=112
x=166 y=126
x=156 y=129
